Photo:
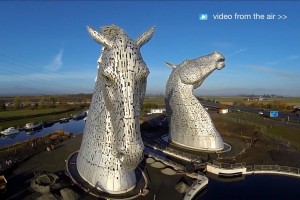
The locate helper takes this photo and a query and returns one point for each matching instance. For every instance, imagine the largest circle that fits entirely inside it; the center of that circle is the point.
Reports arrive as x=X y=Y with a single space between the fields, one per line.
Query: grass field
x=291 y=134
x=18 y=118
x=230 y=124
x=6 y=115
x=230 y=99
x=155 y=100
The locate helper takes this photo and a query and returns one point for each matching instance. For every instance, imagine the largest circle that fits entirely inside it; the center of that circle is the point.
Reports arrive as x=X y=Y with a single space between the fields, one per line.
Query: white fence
x=261 y=169
x=274 y=168
x=173 y=152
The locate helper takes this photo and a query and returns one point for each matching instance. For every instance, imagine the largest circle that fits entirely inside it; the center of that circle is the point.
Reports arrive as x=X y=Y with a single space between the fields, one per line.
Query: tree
x=290 y=107
x=87 y=101
x=239 y=103
x=42 y=103
x=254 y=104
x=52 y=101
x=2 y=106
x=27 y=102
x=222 y=106
x=35 y=106
x=63 y=103
x=17 y=102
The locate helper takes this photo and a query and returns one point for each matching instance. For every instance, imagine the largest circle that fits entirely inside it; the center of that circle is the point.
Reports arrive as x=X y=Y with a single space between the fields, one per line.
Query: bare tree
x=17 y=102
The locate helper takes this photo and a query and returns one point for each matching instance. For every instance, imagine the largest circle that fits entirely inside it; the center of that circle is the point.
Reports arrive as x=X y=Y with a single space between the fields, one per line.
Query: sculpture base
x=140 y=188
x=226 y=148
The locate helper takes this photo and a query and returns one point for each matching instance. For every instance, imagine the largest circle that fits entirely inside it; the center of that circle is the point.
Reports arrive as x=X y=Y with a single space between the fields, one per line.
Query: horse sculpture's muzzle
x=129 y=142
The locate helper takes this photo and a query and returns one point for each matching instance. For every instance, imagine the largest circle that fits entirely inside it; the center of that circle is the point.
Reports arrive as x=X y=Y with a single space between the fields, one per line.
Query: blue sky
x=45 y=48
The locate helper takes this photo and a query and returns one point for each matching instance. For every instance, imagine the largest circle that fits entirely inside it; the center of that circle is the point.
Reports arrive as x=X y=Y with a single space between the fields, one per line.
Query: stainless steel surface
x=112 y=146
x=190 y=124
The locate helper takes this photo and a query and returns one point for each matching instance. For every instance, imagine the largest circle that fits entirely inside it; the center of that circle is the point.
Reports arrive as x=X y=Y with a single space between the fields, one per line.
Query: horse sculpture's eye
x=108 y=80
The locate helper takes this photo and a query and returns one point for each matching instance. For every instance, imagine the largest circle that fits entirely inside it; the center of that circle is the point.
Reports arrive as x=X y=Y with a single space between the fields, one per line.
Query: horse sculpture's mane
x=112 y=31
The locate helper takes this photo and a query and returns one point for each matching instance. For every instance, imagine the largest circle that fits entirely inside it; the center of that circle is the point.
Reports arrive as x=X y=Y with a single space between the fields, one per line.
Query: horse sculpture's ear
x=100 y=38
x=145 y=37
x=172 y=66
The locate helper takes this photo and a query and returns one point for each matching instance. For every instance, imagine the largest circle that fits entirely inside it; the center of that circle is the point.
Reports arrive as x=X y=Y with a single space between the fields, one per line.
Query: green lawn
x=155 y=100
x=18 y=118
x=287 y=133
x=25 y=113
x=224 y=98
x=291 y=134
x=289 y=100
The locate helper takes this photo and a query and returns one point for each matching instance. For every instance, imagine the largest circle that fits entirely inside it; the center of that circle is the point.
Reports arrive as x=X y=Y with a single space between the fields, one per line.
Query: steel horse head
x=112 y=140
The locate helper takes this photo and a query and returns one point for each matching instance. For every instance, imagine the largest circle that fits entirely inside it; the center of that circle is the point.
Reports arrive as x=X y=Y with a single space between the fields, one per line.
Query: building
x=223 y=111
x=157 y=111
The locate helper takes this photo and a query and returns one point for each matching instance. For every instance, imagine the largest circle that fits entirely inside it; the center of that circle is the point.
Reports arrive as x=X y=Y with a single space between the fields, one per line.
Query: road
x=282 y=118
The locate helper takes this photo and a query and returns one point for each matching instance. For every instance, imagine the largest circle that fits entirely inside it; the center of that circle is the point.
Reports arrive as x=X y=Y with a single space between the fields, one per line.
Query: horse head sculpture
x=112 y=137
x=190 y=124
x=195 y=71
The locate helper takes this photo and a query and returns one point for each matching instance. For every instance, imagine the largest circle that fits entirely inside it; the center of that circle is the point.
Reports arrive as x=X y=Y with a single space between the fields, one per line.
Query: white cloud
x=48 y=83
x=56 y=63
x=293 y=57
x=272 y=63
x=60 y=81
x=275 y=72
x=237 y=52
x=85 y=75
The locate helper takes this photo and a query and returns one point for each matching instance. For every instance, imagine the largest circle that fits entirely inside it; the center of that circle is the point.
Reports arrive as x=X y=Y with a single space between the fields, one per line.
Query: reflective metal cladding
x=189 y=123
x=112 y=146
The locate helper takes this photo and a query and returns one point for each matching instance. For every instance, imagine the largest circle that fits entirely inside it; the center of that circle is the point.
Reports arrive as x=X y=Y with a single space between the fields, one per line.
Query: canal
x=252 y=187
x=73 y=126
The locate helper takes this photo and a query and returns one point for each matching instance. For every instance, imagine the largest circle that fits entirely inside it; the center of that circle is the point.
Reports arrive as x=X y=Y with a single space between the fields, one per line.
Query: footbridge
x=225 y=169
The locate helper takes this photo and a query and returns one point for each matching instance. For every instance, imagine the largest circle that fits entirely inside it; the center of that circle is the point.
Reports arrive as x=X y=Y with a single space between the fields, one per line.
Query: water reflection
x=11 y=136
x=252 y=187
x=73 y=126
